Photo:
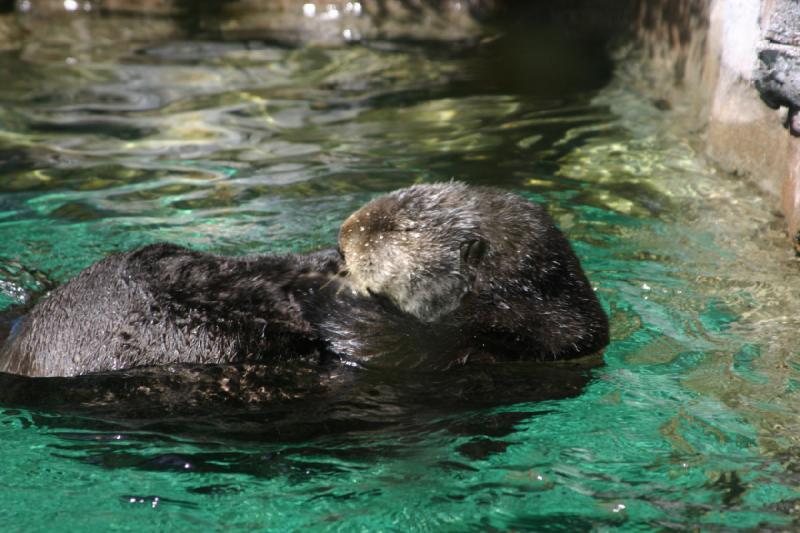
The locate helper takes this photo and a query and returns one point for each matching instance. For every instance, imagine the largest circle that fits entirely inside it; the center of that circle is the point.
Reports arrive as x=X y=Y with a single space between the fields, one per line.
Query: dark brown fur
x=437 y=274
x=166 y=304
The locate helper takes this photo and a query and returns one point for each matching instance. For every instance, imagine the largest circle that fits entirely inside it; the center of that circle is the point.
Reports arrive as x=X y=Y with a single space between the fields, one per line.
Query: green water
x=244 y=147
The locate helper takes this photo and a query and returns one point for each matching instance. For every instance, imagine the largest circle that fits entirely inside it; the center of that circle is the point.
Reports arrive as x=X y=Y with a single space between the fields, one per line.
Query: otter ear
x=472 y=252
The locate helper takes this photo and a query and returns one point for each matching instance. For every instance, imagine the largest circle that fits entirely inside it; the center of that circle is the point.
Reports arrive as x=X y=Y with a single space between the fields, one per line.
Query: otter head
x=421 y=247
x=489 y=262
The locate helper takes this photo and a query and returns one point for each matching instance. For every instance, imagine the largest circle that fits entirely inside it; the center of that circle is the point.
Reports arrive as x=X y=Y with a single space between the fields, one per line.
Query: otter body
x=485 y=265
x=166 y=304
x=437 y=274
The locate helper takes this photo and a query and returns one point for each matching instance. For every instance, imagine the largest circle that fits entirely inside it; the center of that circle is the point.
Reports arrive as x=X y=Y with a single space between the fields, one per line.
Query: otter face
x=420 y=247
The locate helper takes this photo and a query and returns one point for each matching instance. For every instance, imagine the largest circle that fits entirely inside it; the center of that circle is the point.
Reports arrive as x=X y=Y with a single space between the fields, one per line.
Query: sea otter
x=486 y=265
x=436 y=274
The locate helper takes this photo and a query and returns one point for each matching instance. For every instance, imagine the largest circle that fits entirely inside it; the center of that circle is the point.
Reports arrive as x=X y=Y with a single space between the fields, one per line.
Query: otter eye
x=472 y=252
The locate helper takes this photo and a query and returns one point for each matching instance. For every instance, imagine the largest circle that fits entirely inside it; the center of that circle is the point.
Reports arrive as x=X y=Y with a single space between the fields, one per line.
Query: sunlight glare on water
x=249 y=147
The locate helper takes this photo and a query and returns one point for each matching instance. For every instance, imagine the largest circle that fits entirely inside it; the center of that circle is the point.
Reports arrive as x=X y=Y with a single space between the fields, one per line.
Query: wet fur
x=167 y=304
x=480 y=261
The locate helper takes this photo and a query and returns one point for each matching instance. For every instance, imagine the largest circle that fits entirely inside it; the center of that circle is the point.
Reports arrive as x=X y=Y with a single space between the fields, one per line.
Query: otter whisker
x=339 y=290
x=324 y=285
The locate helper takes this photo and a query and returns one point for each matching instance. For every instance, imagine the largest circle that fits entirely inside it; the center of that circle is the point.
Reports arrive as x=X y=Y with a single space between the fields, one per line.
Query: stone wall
x=733 y=64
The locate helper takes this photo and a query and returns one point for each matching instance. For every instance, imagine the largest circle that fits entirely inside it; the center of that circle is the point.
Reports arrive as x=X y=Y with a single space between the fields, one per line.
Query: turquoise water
x=245 y=147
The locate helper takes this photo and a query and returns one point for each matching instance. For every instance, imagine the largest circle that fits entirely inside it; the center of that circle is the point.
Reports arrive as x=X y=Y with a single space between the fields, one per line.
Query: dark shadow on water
x=227 y=413
x=288 y=402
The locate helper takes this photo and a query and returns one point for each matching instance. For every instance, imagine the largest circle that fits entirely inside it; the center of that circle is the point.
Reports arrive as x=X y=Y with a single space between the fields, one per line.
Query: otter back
x=166 y=304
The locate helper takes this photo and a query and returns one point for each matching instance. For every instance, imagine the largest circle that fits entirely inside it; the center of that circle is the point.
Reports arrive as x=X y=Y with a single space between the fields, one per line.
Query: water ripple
x=246 y=147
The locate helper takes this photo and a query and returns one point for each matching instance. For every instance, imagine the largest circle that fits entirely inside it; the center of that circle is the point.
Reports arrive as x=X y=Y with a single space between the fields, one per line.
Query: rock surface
x=735 y=65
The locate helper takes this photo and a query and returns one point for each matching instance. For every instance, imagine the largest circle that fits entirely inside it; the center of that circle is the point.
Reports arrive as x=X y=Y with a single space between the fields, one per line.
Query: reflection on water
x=241 y=146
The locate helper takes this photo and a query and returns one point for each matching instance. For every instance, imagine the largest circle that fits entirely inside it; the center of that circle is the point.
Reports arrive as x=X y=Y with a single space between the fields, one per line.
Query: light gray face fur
x=418 y=246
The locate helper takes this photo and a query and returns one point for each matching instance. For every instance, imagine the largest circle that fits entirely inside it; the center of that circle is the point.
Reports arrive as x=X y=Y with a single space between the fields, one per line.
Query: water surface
x=250 y=147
